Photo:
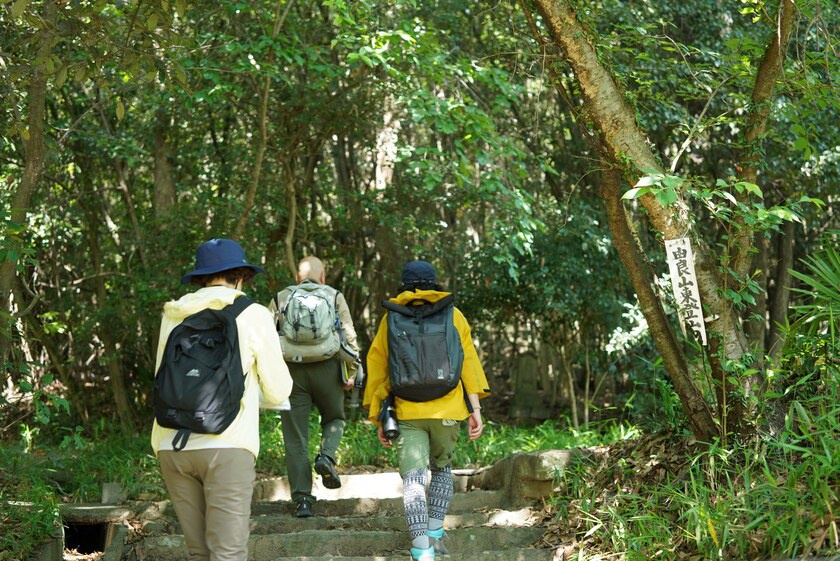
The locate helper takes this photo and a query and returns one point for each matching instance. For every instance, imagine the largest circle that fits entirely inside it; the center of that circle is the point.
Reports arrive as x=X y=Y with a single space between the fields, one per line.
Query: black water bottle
x=388 y=418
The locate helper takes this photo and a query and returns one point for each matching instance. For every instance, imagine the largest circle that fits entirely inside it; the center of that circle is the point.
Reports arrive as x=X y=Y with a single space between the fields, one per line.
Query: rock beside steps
x=493 y=517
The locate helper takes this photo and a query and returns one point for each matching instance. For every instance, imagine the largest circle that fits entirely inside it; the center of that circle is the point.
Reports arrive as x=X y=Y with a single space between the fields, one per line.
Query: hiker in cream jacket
x=211 y=480
x=257 y=339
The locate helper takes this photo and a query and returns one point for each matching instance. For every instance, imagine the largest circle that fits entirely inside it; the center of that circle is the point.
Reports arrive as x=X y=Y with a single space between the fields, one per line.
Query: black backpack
x=200 y=383
x=425 y=355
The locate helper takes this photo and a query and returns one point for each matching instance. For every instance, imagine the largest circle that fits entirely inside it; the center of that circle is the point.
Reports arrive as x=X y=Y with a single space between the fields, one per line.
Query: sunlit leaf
x=18 y=7
x=647 y=181
x=635 y=193
x=61 y=76
x=785 y=214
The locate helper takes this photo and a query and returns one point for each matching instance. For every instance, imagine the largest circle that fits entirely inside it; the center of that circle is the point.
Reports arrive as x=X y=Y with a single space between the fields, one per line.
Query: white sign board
x=684 y=284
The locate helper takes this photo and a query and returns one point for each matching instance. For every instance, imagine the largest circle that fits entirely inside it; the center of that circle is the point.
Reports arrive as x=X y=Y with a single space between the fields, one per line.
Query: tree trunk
x=386 y=147
x=164 y=194
x=769 y=72
x=262 y=124
x=291 y=222
x=566 y=361
x=781 y=294
x=587 y=398
x=756 y=319
x=35 y=147
x=72 y=392
x=105 y=330
x=696 y=408
x=605 y=105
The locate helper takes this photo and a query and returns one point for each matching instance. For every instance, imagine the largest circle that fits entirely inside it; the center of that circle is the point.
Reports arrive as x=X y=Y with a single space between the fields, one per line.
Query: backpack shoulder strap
x=238 y=306
x=338 y=326
x=180 y=440
x=424 y=310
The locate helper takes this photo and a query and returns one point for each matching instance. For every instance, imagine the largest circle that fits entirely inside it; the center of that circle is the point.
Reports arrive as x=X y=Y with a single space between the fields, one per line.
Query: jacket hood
x=216 y=297
x=403 y=298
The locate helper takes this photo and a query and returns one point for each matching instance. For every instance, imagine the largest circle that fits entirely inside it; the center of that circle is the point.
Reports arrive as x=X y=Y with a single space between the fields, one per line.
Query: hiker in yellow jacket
x=428 y=430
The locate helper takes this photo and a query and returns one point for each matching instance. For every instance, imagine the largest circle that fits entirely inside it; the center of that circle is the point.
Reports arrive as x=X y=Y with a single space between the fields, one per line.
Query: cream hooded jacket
x=450 y=406
x=262 y=362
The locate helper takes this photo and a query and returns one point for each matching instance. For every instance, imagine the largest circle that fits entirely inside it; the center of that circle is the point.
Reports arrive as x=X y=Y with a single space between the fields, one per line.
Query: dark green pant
x=318 y=384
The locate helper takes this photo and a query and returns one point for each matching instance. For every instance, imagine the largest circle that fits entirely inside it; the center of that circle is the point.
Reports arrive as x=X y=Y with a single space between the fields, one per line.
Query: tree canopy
x=537 y=153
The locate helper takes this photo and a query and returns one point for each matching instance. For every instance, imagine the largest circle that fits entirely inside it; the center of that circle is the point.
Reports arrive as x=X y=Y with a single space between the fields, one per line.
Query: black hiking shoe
x=304 y=508
x=325 y=467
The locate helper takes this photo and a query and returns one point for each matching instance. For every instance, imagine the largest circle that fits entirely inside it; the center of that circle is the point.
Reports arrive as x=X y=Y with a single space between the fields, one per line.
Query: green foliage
x=820 y=312
x=42 y=471
x=28 y=512
x=553 y=281
x=745 y=503
x=360 y=446
x=772 y=497
x=654 y=403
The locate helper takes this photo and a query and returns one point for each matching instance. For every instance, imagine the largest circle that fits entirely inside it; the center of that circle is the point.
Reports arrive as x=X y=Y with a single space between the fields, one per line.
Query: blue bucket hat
x=419 y=274
x=218 y=255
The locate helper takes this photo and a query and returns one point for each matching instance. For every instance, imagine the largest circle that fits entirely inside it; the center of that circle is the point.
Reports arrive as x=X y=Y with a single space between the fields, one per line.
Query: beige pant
x=211 y=491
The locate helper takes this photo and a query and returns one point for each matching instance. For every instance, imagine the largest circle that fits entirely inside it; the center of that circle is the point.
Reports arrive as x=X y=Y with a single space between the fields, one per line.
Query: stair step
x=343 y=543
x=519 y=554
x=268 y=523
x=381 y=485
x=461 y=502
x=525 y=554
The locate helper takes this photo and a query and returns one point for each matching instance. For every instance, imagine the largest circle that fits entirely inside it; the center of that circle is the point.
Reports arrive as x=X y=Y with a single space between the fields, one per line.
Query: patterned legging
x=418 y=510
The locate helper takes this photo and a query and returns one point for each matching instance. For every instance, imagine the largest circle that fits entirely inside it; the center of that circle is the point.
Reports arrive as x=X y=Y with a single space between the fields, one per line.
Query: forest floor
x=631 y=468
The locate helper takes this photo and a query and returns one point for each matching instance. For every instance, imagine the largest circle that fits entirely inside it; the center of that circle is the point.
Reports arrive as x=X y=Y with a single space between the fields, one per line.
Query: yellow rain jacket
x=450 y=406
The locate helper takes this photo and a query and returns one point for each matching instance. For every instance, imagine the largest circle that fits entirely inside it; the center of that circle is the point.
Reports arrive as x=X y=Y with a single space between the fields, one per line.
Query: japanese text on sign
x=684 y=284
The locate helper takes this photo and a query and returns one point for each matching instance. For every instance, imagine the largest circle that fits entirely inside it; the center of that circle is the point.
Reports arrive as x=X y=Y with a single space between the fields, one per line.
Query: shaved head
x=311 y=268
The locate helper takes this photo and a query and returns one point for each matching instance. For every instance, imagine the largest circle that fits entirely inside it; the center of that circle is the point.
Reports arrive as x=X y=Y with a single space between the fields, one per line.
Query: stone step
x=525 y=554
x=379 y=485
x=461 y=502
x=343 y=543
x=268 y=523
x=520 y=554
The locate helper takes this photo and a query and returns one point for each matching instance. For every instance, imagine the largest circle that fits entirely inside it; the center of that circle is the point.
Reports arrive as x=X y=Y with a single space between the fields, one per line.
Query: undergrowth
x=667 y=497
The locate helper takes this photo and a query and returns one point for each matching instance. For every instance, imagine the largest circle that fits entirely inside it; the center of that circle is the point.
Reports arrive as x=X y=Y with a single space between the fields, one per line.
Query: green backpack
x=309 y=323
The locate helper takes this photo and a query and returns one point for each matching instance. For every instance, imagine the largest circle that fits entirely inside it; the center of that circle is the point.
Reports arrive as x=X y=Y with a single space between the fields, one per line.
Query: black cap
x=419 y=274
